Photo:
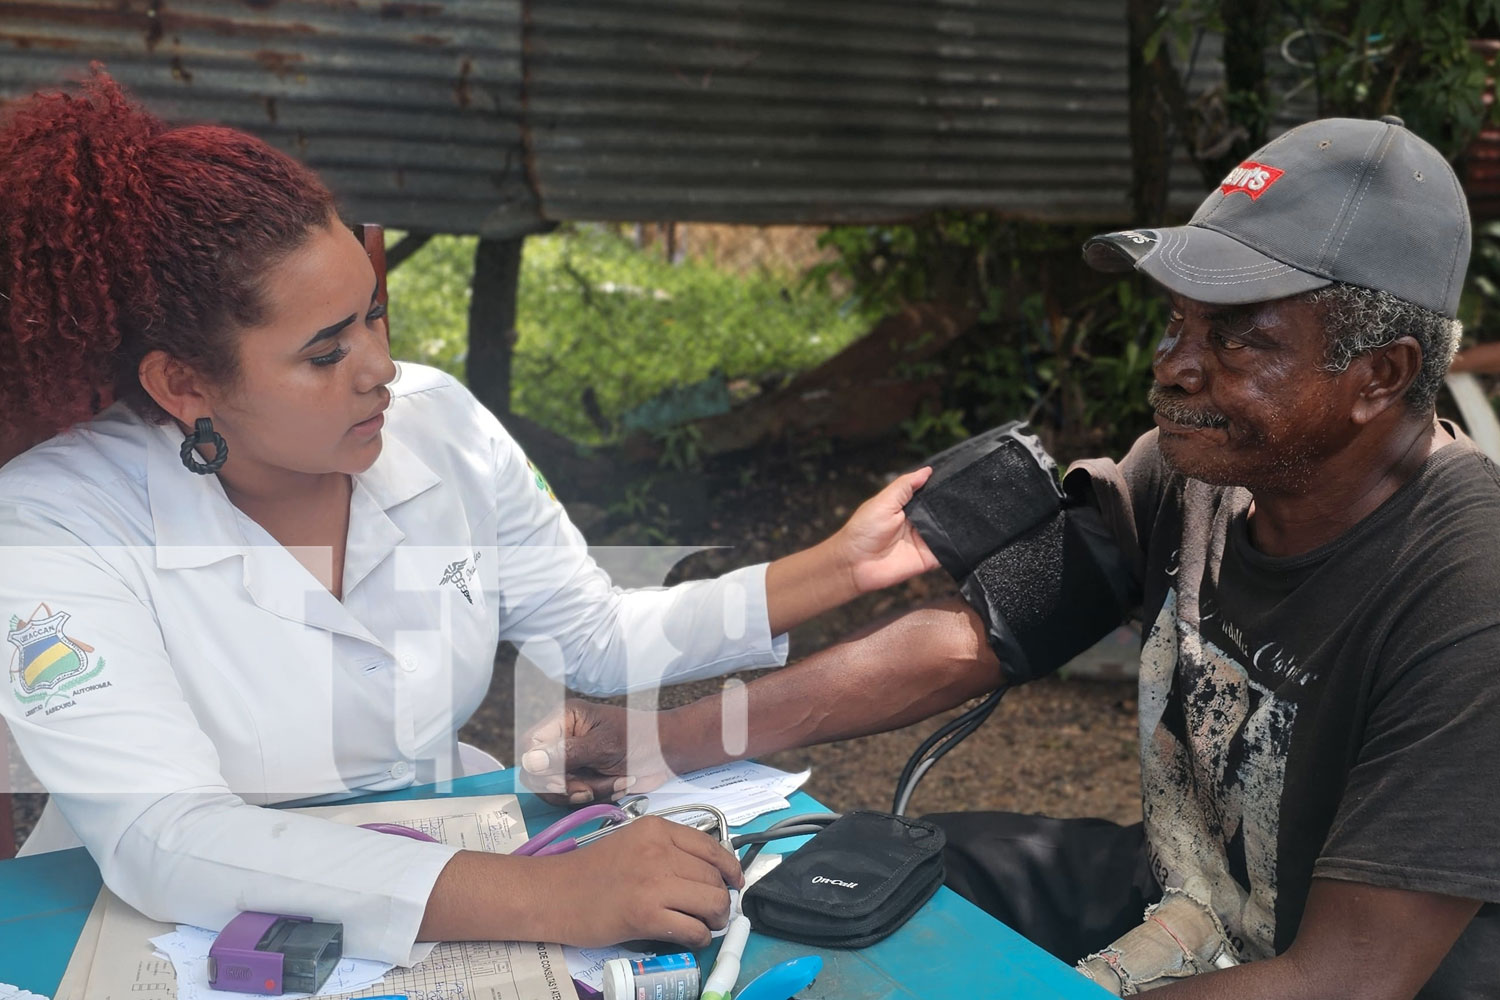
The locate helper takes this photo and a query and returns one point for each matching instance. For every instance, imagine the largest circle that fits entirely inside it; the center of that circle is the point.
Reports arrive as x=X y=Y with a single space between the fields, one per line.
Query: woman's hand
x=651 y=879
x=879 y=544
x=654 y=879
x=876 y=548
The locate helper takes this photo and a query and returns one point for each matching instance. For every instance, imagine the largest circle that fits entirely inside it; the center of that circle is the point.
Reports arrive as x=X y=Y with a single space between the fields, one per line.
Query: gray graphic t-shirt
x=1334 y=714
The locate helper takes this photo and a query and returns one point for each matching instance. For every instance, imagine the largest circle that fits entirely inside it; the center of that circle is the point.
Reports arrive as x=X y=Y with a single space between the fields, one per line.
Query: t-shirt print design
x=1213 y=766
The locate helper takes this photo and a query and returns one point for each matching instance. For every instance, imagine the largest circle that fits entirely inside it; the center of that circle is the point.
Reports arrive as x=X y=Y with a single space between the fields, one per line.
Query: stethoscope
x=554 y=839
x=777 y=983
x=616 y=816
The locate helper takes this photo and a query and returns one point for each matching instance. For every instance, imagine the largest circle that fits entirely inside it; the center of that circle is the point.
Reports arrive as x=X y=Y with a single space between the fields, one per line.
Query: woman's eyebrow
x=328 y=331
x=332 y=331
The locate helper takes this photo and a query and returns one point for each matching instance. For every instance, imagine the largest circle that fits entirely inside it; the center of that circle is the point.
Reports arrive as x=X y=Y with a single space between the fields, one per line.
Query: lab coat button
x=398 y=769
x=409 y=664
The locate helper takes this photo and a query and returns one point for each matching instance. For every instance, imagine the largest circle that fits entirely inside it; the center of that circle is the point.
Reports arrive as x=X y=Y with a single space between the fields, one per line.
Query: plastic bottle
x=665 y=977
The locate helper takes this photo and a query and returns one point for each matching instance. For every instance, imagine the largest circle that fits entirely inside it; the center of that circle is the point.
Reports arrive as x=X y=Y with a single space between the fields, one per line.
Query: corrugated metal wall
x=410 y=111
x=494 y=115
x=765 y=110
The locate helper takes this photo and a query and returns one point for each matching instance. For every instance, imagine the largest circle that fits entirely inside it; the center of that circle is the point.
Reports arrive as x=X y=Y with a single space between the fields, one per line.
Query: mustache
x=1172 y=404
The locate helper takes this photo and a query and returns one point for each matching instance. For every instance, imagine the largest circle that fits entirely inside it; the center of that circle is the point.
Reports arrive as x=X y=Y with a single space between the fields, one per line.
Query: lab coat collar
x=397 y=476
x=195 y=524
x=193 y=521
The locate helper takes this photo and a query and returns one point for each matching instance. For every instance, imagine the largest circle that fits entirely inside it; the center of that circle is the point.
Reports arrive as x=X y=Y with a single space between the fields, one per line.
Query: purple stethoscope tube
x=542 y=844
x=546 y=842
x=398 y=830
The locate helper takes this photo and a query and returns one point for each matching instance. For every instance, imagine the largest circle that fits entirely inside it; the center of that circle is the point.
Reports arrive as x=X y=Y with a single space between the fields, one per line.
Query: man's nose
x=1179 y=361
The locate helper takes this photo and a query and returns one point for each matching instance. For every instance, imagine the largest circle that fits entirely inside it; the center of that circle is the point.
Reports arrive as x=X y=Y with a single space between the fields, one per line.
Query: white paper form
x=122 y=964
x=9 y=992
x=490 y=823
x=587 y=964
x=743 y=790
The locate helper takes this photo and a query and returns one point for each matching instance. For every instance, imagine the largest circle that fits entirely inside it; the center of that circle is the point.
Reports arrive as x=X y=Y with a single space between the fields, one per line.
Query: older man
x=1316 y=561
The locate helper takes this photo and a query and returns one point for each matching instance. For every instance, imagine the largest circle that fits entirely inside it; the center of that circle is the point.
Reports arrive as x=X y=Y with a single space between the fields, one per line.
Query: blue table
x=950 y=950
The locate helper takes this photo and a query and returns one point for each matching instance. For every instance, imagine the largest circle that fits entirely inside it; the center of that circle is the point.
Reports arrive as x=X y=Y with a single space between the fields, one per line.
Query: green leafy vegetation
x=1056 y=345
x=429 y=303
x=1432 y=63
x=604 y=326
x=1413 y=58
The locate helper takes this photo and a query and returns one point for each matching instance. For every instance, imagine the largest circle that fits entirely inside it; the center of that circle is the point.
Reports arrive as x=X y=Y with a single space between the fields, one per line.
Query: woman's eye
x=376 y=314
x=333 y=357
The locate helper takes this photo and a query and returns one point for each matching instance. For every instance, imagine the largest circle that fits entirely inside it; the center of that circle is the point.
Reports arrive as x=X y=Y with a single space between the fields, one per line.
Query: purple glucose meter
x=271 y=954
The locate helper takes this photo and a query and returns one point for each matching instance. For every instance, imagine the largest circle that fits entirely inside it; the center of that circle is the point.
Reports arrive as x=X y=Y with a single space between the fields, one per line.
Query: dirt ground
x=1058 y=746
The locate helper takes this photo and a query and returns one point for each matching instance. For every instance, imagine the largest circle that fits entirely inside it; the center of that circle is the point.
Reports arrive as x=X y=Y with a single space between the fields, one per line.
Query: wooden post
x=1150 y=153
x=492 y=321
x=1247 y=36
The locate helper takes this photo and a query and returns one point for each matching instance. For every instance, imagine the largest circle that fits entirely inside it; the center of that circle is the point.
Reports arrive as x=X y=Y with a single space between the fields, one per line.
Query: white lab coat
x=173 y=669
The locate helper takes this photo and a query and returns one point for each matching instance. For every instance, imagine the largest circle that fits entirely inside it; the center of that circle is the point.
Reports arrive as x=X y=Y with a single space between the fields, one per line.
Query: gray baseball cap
x=1367 y=203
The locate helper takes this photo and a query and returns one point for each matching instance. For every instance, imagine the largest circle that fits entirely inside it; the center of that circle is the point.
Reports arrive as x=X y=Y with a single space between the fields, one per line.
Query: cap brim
x=1199 y=263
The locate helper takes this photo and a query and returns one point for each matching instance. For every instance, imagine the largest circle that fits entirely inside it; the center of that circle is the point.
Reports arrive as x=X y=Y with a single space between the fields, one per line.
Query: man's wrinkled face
x=1241 y=397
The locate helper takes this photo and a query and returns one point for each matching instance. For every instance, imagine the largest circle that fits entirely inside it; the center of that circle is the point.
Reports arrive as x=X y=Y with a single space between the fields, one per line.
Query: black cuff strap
x=1042 y=572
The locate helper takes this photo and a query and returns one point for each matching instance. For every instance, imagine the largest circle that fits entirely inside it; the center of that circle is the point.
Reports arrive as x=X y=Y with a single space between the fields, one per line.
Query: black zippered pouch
x=853 y=884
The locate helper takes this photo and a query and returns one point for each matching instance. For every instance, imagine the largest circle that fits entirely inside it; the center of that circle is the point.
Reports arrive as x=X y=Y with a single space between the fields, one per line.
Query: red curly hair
x=120 y=236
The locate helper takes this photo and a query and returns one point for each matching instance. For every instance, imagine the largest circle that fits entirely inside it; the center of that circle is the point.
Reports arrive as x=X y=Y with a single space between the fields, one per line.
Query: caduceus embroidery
x=454 y=574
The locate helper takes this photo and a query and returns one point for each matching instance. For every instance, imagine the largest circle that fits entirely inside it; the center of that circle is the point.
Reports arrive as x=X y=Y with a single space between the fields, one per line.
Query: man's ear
x=1386 y=373
x=176 y=387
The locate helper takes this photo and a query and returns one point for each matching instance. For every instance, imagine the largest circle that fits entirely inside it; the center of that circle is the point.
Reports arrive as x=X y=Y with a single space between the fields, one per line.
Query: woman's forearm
x=875 y=549
x=805 y=584
x=480 y=897
x=891 y=675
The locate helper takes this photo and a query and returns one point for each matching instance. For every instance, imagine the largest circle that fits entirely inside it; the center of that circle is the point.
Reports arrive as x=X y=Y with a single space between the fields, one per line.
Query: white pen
x=726 y=971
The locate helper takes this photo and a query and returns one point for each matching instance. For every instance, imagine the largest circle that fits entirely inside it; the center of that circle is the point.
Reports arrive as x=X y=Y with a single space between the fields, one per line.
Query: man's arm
x=890 y=675
x=1358 y=941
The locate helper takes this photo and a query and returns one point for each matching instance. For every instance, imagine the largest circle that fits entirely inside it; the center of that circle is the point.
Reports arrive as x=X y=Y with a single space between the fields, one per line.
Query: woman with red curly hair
x=254 y=560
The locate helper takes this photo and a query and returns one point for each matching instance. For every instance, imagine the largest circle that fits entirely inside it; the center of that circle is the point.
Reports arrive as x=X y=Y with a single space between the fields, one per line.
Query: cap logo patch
x=1251 y=178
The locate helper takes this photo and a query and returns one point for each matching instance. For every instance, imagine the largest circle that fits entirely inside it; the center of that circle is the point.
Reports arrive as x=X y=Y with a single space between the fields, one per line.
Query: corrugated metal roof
x=493 y=115
x=410 y=111
x=827 y=110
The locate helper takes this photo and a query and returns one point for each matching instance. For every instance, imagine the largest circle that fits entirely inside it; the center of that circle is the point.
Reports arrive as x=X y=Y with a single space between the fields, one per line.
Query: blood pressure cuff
x=852 y=884
x=1039 y=568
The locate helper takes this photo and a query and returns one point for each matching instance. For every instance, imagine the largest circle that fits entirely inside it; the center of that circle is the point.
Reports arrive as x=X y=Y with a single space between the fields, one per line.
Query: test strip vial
x=665 y=977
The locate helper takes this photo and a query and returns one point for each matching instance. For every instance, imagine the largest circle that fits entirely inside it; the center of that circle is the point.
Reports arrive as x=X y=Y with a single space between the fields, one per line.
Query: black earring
x=203 y=433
